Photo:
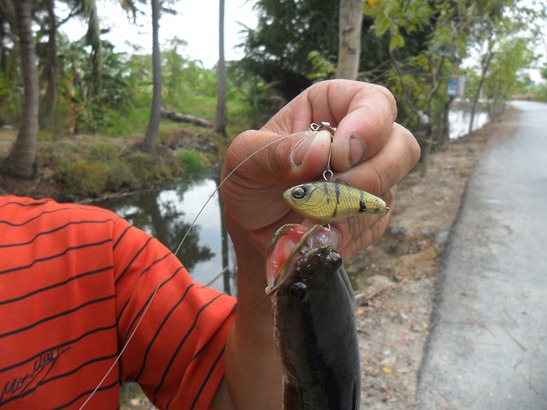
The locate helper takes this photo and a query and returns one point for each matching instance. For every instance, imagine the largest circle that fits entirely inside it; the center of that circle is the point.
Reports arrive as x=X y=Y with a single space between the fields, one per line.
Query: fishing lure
x=327 y=201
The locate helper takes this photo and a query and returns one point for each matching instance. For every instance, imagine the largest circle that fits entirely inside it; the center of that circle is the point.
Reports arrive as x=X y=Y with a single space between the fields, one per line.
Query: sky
x=196 y=23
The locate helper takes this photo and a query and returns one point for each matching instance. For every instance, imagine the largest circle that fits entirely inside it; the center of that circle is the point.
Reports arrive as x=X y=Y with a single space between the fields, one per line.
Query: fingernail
x=299 y=150
x=356 y=150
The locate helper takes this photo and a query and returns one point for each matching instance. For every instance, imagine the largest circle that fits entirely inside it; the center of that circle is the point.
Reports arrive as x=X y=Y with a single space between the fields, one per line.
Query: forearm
x=252 y=367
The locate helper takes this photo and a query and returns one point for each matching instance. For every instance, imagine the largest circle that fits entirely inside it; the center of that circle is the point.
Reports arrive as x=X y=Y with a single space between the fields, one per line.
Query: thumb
x=269 y=158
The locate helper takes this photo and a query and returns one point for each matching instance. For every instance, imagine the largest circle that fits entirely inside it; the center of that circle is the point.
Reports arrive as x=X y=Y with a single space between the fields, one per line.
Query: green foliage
x=89 y=102
x=322 y=68
x=10 y=100
x=399 y=17
x=259 y=98
x=11 y=90
x=287 y=31
x=86 y=179
x=191 y=162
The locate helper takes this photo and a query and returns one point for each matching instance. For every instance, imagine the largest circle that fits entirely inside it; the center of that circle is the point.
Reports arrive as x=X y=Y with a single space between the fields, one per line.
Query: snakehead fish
x=314 y=320
x=327 y=201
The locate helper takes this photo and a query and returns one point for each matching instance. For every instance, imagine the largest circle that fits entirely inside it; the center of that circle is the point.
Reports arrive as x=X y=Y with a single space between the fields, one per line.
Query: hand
x=370 y=151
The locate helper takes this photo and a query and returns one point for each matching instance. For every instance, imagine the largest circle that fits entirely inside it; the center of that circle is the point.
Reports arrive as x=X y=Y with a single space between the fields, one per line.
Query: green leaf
x=396 y=41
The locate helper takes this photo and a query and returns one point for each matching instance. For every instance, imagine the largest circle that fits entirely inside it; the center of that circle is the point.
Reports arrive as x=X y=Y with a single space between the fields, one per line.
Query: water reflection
x=459 y=118
x=167 y=214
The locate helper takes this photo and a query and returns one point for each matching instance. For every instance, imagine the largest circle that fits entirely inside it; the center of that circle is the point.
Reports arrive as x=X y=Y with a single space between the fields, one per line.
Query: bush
x=84 y=178
x=191 y=162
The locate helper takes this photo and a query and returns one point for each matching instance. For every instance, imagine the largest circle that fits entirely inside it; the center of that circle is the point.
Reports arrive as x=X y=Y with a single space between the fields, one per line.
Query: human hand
x=369 y=151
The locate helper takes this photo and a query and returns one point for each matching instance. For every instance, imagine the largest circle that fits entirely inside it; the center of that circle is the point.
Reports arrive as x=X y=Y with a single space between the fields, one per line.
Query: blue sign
x=452 y=90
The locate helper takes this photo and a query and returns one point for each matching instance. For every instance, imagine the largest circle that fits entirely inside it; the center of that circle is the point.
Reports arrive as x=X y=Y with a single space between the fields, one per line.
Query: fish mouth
x=287 y=247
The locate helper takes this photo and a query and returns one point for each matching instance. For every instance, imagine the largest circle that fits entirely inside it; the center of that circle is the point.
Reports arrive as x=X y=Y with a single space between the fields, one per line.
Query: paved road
x=488 y=346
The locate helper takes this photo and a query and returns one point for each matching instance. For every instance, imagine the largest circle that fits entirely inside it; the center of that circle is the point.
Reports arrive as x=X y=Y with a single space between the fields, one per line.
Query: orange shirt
x=75 y=283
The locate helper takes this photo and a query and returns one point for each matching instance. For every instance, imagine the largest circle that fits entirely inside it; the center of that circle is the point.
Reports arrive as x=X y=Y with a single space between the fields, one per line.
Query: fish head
x=288 y=247
x=308 y=201
x=314 y=312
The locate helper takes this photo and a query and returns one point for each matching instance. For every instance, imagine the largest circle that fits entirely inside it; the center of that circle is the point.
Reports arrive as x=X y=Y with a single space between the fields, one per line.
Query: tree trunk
x=485 y=65
x=445 y=127
x=154 y=119
x=21 y=159
x=220 y=123
x=50 y=70
x=349 y=38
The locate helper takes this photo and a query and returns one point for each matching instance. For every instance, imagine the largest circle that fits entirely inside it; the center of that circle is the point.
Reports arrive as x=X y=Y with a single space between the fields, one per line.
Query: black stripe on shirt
x=67 y=343
x=122 y=235
x=51 y=257
x=86 y=393
x=25 y=204
x=181 y=344
x=6 y=222
x=56 y=285
x=200 y=351
x=57 y=229
x=206 y=380
x=66 y=312
x=145 y=304
x=133 y=260
x=164 y=321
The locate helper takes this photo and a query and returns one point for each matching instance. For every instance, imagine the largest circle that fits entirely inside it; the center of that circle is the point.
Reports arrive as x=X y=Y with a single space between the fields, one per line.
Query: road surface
x=488 y=344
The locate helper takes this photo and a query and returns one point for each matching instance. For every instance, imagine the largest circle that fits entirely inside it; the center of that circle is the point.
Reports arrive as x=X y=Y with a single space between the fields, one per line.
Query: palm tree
x=220 y=123
x=21 y=159
x=154 y=119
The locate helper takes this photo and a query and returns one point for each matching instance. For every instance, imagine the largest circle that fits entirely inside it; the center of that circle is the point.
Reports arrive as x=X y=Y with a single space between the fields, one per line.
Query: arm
x=370 y=151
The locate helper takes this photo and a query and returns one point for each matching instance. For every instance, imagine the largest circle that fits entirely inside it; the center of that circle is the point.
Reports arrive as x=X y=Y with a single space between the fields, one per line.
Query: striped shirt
x=75 y=282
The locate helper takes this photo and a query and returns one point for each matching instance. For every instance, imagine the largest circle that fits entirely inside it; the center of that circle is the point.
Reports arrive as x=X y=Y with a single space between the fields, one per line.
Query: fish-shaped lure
x=327 y=201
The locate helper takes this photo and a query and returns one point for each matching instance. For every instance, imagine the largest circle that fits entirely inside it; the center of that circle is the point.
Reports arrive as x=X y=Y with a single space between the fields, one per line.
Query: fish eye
x=298 y=291
x=298 y=192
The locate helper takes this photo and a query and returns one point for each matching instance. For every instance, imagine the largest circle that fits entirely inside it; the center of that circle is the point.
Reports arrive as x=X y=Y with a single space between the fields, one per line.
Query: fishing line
x=147 y=306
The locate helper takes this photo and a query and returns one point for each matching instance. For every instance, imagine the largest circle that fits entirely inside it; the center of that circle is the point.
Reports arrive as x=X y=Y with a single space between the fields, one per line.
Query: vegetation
x=95 y=103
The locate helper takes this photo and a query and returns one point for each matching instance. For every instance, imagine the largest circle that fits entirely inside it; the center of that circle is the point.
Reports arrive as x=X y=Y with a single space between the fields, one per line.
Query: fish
x=327 y=201
x=314 y=320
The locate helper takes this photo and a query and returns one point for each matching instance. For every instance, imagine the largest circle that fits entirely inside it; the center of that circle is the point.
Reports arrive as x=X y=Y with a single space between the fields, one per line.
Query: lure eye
x=298 y=192
x=298 y=291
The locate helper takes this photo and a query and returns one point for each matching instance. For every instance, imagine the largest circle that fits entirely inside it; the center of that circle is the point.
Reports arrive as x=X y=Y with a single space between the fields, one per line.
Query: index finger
x=364 y=127
x=363 y=114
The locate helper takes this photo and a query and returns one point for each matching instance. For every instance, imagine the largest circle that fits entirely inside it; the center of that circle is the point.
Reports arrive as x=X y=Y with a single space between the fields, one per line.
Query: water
x=167 y=213
x=460 y=116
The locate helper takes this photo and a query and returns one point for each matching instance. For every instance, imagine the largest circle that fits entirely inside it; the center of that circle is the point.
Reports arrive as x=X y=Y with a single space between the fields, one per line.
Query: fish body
x=327 y=201
x=314 y=325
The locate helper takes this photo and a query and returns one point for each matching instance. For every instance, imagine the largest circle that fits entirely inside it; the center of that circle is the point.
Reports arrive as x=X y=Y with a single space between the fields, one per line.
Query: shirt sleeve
x=171 y=330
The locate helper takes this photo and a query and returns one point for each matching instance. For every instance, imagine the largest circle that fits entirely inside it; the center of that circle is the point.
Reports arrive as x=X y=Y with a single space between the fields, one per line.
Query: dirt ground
x=398 y=273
